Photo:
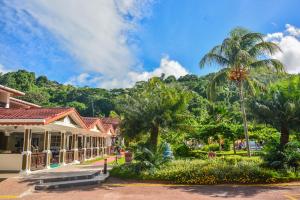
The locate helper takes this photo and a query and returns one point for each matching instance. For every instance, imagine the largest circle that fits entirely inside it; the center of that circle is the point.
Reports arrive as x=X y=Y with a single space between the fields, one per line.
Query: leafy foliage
x=286 y=157
x=280 y=107
x=230 y=170
x=238 y=55
x=152 y=107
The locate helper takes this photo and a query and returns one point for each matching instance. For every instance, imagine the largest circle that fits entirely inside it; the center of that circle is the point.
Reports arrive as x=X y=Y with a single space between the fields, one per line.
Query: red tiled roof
x=111 y=120
x=107 y=127
x=32 y=113
x=35 y=115
x=90 y=121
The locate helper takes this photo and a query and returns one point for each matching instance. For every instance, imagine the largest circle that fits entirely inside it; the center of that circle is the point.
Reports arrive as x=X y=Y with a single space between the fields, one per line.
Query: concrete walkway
x=110 y=159
x=17 y=185
x=116 y=189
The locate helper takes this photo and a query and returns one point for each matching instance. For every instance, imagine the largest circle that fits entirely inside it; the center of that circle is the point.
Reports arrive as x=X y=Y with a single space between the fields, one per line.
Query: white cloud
x=289 y=43
x=292 y=30
x=3 y=69
x=96 y=32
x=167 y=67
x=79 y=80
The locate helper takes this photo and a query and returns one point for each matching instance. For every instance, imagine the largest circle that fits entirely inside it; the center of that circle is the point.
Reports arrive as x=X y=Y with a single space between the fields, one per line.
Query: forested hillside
x=97 y=101
x=88 y=101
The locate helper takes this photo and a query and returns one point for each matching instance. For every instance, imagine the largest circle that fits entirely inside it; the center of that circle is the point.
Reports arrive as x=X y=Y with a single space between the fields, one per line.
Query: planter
x=128 y=157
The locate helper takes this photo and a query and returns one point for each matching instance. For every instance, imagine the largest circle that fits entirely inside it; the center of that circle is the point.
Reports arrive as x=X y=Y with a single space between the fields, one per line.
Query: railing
x=88 y=153
x=38 y=161
x=94 y=152
x=69 y=156
x=80 y=154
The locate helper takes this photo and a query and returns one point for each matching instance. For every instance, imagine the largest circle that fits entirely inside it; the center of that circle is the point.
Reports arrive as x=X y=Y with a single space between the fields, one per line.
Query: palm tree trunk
x=234 y=150
x=243 y=110
x=154 y=137
x=284 y=137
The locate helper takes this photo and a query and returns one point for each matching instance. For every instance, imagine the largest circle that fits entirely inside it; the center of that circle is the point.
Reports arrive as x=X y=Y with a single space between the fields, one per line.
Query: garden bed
x=230 y=170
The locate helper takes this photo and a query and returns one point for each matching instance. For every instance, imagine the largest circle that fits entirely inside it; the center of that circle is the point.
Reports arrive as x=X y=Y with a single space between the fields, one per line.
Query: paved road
x=116 y=189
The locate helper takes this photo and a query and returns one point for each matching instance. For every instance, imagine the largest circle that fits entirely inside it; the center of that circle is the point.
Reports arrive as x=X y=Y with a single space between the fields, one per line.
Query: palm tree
x=280 y=107
x=238 y=55
x=153 y=106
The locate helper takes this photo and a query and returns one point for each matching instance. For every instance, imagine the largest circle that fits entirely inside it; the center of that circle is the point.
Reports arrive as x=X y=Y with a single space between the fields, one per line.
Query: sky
x=114 y=43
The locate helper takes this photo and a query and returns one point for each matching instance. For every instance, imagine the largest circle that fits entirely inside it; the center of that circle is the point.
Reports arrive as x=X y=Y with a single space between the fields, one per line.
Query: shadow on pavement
x=228 y=191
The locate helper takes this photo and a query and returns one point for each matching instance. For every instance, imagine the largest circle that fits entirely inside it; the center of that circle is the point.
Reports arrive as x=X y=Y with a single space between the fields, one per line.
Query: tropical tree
x=280 y=107
x=238 y=55
x=151 y=106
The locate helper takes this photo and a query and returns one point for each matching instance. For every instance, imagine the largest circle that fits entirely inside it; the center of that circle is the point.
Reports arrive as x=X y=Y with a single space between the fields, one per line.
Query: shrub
x=213 y=172
x=211 y=147
x=231 y=169
x=182 y=151
x=277 y=157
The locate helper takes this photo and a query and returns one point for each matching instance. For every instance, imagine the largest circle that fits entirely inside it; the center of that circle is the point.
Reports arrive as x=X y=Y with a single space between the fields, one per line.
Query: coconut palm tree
x=238 y=55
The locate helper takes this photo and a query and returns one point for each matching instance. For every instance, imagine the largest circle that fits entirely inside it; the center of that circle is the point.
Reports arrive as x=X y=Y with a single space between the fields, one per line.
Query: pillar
x=97 y=144
x=26 y=154
x=62 y=151
x=75 y=147
x=91 y=146
x=104 y=145
x=47 y=145
x=84 y=147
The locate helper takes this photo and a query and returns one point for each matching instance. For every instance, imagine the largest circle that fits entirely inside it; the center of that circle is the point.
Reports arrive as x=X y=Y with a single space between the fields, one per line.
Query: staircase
x=69 y=180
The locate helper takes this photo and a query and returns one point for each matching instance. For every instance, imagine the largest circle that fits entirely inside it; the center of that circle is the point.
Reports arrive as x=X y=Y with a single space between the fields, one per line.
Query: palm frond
x=213 y=58
x=217 y=79
x=269 y=63
x=253 y=36
x=264 y=47
x=254 y=86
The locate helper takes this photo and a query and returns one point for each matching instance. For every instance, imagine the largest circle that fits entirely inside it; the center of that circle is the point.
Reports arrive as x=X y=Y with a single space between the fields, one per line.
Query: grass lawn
x=111 y=163
x=88 y=162
x=228 y=153
x=121 y=161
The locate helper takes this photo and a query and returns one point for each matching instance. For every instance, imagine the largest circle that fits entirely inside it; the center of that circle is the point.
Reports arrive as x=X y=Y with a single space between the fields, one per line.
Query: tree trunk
x=154 y=137
x=243 y=110
x=285 y=134
x=234 y=150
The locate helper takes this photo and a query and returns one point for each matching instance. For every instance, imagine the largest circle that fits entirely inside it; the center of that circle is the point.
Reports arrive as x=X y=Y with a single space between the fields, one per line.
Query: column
x=91 y=146
x=84 y=147
x=26 y=154
x=97 y=144
x=104 y=146
x=47 y=145
x=62 y=151
x=75 y=147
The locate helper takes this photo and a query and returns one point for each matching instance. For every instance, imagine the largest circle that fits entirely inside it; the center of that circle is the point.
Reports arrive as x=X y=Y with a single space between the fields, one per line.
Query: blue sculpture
x=167 y=152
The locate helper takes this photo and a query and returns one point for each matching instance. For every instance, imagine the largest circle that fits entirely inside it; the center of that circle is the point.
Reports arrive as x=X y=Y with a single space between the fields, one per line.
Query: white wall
x=10 y=162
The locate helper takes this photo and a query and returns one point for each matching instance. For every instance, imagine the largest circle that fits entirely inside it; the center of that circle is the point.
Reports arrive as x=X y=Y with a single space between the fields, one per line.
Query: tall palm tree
x=238 y=55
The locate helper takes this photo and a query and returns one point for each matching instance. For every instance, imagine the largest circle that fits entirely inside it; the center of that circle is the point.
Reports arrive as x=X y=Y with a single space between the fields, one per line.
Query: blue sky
x=115 y=43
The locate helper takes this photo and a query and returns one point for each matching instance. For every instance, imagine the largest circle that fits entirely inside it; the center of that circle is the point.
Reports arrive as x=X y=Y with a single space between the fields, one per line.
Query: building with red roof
x=33 y=137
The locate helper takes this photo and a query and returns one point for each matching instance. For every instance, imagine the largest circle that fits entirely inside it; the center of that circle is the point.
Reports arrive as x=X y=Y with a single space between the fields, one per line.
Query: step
x=66 y=176
x=72 y=183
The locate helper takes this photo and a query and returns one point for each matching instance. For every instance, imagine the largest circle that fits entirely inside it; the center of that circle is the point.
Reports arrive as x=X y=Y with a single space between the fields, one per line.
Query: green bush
x=182 y=151
x=231 y=169
x=278 y=157
x=211 y=147
x=213 y=172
